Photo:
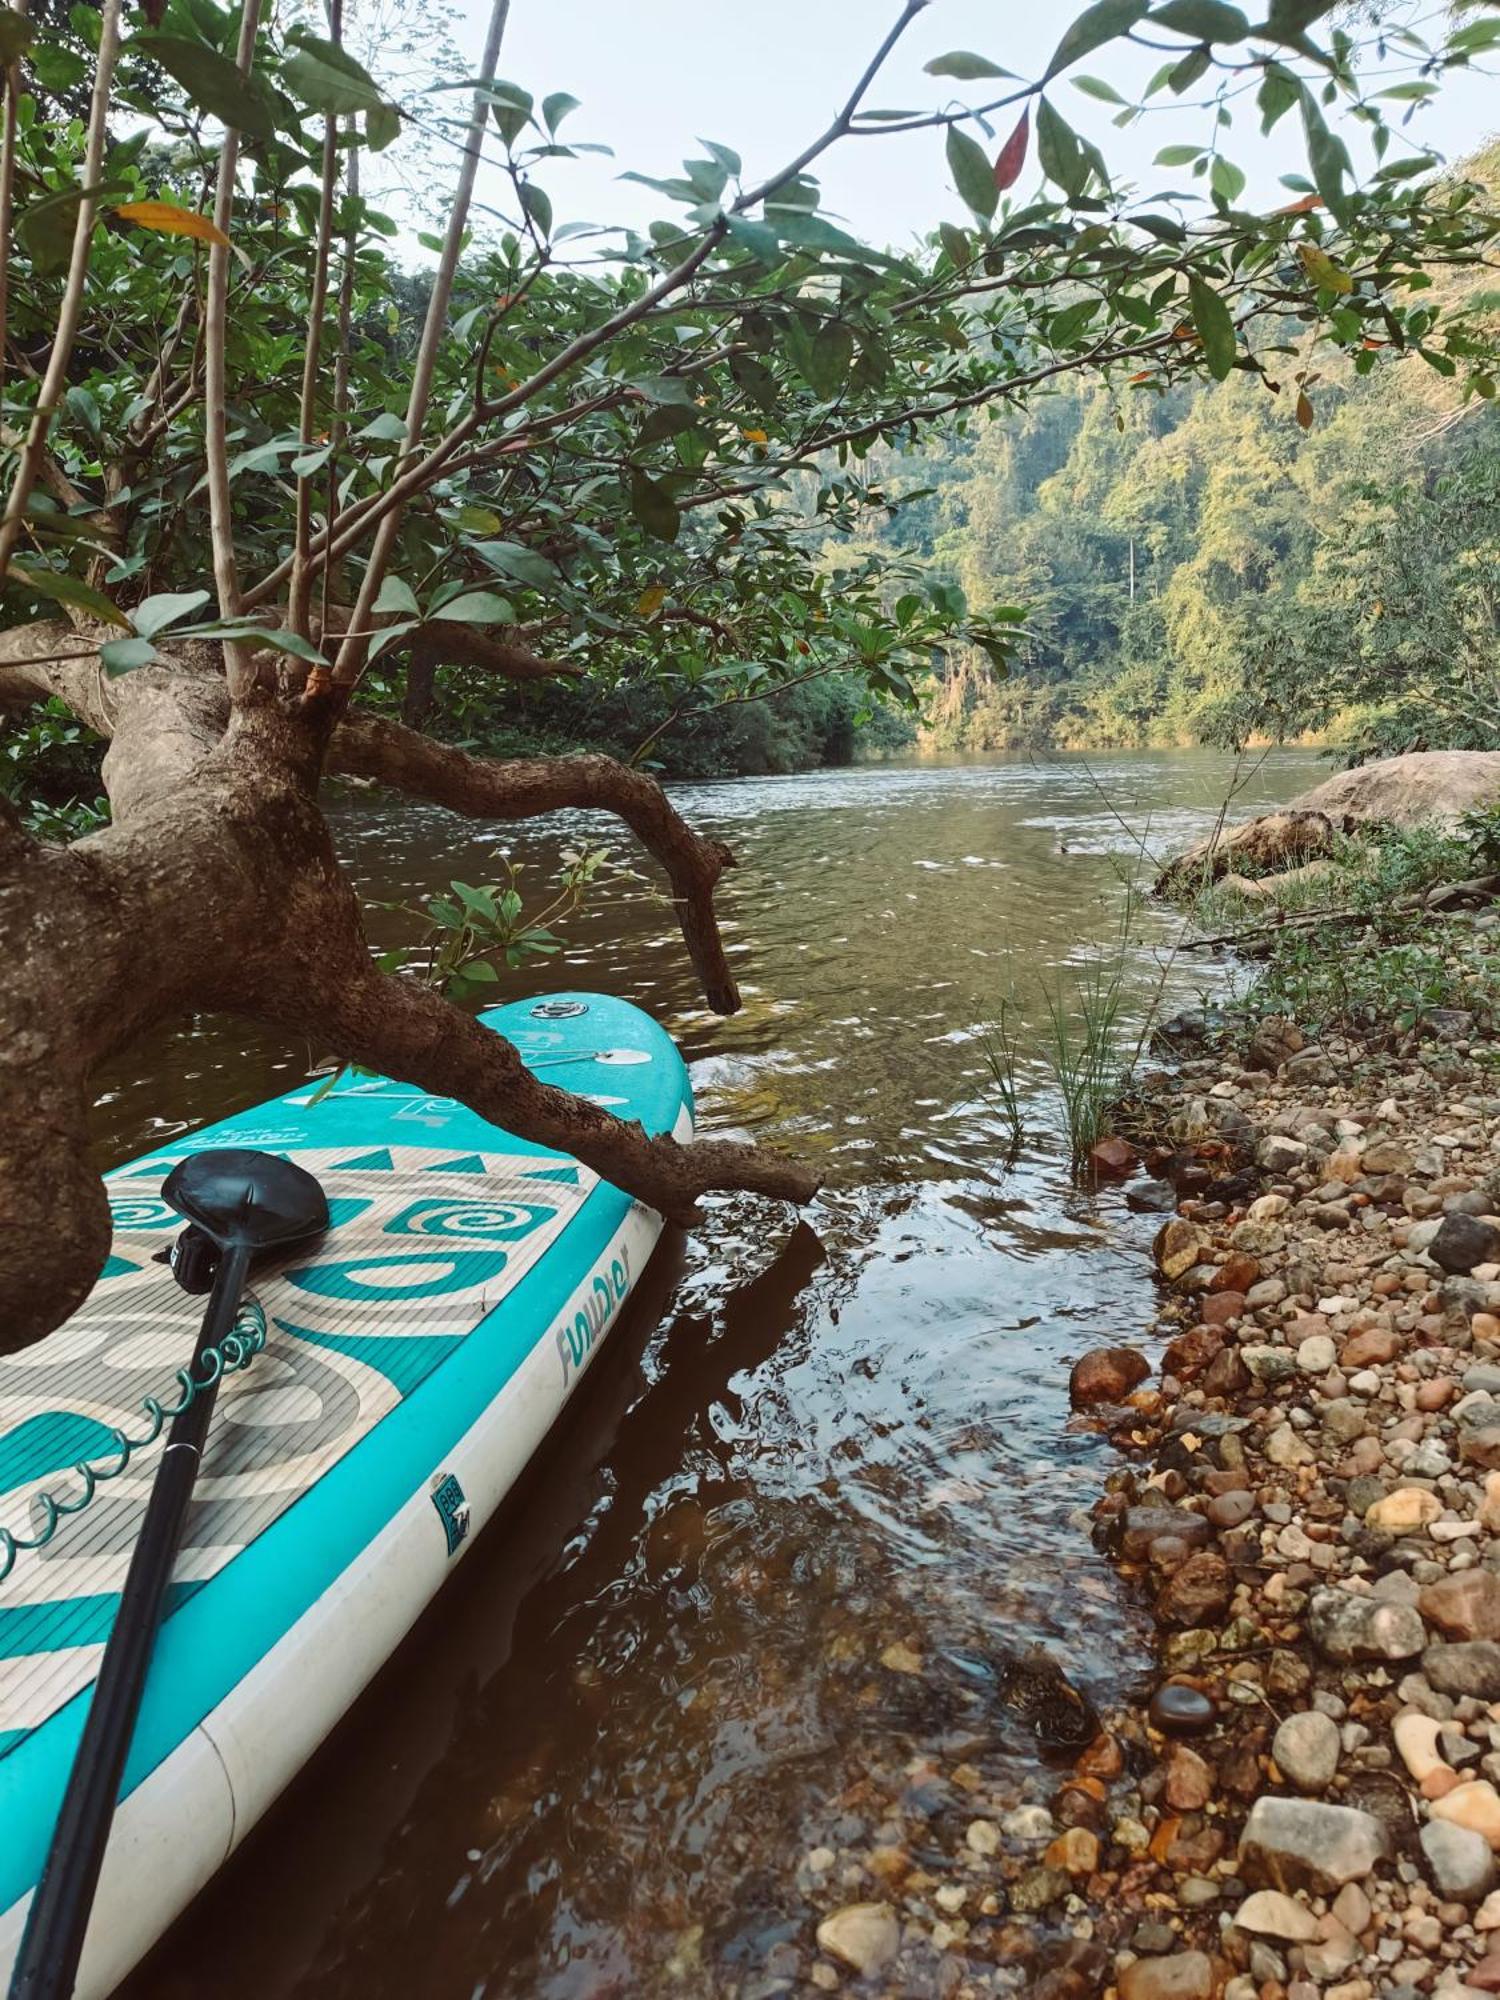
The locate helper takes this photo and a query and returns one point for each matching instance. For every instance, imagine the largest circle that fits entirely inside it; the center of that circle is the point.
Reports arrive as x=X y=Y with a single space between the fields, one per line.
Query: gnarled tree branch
x=525 y=788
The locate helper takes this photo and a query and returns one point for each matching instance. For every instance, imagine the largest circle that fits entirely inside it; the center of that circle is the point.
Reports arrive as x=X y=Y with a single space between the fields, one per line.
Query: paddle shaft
x=52 y=1944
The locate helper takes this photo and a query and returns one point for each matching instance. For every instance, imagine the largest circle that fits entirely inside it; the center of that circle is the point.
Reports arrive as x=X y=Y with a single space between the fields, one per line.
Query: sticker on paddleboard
x=452 y=1509
x=558 y=1010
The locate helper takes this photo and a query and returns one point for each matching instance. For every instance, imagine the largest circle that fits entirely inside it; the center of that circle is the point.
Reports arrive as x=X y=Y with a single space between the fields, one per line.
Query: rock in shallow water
x=1303 y=1844
x=864 y=1935
x=1106 y=1375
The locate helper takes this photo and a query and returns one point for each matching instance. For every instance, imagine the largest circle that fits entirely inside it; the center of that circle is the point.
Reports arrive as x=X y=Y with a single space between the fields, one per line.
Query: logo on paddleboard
x=452 y=1508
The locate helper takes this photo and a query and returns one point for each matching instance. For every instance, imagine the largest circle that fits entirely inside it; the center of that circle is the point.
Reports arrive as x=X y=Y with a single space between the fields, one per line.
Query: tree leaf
x=477 y=607
x=328 y=79
x=1215 y=324
x=165 y=218
x=758 y=238
x=396 y=594
x=556 y=108
x=972 y=173
x=1304 y=411
x=1204 y=20
x=538 y=206
x=66 y=589
x=966 y=66
x=1094 y=26
x=168 y=607
x=213 y=83
x=123 y=656
x=1226 y=179
x=1012 y=155
x=1062 y=157
x=16 y=33
x=1327 y=156
x=1096 y=87
x=523 y=565
x=382 y=126
x=653 y=506
x=1321 y=268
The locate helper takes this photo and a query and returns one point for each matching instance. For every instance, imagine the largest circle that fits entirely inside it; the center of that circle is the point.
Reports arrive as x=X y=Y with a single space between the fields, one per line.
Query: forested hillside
x=1208 y=564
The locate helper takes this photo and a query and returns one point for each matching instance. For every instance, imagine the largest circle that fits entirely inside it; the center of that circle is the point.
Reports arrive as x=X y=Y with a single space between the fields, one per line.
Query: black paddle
x=239 y=1203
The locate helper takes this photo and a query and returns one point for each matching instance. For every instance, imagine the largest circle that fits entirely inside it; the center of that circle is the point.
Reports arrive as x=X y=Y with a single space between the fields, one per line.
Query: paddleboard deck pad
x=415 y=1356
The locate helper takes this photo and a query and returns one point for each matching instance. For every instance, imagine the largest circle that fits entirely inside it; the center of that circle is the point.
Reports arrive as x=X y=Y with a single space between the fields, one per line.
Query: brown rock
x=1106 y=1375
x=1103 y=1759
x=1226 y=1375
x=1190 y=1780
x=1464 y=1605
x=1236 y=1274
x=1223 y=1308
x=1198 y=1593
x=1076 y=1851
x=1369 y=1349
x=1114 y=1158
x=1190 y=1353
x=1178 y=1247
x=1185 y=1975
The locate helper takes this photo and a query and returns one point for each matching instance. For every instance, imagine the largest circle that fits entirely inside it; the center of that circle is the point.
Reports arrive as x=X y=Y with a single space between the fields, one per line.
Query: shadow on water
x=597 y=1766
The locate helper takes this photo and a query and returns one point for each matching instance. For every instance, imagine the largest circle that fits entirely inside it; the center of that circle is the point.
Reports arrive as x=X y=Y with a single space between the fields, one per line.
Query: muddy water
x=654 y=1686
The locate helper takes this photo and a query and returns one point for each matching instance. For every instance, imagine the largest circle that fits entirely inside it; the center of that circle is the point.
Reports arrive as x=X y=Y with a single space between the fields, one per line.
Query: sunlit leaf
x=167 y=219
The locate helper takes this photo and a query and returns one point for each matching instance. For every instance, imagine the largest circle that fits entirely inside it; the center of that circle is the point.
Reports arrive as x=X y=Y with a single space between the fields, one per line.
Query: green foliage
x=50 y=770
x=1197 y=567
x=664 y=430
x=464 y=932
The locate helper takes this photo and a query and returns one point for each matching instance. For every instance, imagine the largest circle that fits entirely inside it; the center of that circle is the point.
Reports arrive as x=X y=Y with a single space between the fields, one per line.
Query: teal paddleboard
x=415 y=1357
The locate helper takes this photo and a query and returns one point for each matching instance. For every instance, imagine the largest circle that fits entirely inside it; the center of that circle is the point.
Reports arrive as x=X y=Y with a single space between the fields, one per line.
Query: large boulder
x=1403 y=791
x=1393 y=791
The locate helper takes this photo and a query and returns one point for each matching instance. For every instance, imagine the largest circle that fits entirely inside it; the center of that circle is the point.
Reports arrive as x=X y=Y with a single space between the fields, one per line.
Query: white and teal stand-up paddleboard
x=415 y=1357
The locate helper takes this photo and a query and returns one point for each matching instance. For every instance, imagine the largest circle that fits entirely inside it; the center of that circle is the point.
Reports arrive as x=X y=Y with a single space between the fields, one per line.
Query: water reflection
x=597 y=1766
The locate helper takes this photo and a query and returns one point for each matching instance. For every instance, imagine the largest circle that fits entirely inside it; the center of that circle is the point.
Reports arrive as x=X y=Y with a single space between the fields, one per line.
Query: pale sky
x=765 y=75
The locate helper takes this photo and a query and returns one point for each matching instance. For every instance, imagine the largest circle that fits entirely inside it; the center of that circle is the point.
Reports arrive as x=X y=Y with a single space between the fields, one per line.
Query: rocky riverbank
x=1313 y=1500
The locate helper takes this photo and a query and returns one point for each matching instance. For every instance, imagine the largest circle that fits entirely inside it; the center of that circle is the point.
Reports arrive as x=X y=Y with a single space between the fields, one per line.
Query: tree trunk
x=216 y=888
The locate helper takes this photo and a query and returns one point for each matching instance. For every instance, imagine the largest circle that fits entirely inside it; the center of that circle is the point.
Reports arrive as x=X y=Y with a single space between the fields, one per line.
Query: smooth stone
x=1475 y=1805
x=1186 y=1975
x=1460 y=1861
x=1417 y=1741
x=864 y=1935
x=1306 y=1750
x=1465 y=1604
x=1178 y=1710
x=1408 y=1507
x=1106 y=1375
x=1464 y=1667
x=1346 y=1627
x=1294 y=1844
x=1268 y=1913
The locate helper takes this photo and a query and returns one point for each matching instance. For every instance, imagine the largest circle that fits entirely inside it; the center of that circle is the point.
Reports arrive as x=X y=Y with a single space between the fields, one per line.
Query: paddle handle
x=47 y=1963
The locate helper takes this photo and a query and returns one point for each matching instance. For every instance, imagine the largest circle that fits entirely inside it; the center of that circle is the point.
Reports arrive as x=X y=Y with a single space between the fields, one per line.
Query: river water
x=599 y=1764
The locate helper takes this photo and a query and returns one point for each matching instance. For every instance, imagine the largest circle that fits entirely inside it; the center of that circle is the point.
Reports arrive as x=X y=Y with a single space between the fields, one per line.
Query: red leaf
x=1304 y=413
x=1012 y=155
x=1303 y=207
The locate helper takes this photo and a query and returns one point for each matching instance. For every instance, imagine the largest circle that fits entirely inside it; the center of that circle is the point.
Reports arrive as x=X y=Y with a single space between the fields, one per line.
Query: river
x=654 y=1687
